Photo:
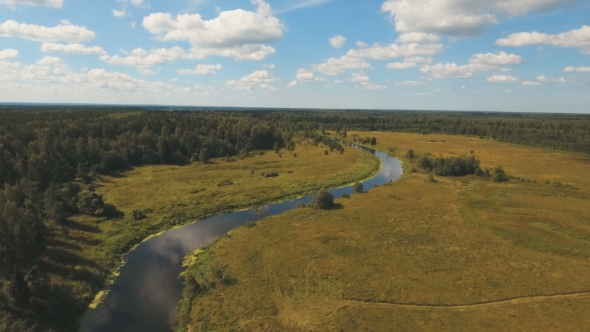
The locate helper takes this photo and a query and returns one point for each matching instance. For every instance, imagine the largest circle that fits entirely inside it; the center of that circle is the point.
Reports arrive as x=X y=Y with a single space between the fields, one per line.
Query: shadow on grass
x=77 y=226
x=63 y=244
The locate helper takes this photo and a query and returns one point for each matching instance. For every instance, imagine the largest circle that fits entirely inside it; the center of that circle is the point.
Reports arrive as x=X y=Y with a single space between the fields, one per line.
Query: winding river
x=145 y=294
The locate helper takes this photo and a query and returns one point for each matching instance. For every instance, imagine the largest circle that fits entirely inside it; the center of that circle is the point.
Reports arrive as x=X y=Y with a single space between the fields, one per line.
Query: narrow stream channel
x=145 y=295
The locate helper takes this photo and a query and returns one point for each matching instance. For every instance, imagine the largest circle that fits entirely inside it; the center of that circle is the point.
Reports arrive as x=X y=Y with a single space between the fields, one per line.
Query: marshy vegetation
x=417 y=254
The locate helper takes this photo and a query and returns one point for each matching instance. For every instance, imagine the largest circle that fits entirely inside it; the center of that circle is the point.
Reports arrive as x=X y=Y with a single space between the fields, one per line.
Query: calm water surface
x=145 y=295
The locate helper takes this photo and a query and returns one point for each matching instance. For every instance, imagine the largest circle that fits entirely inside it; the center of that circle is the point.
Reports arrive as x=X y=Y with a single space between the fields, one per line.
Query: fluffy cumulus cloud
x=202 y=70
x=418 y=37
x=477 y=63
x=458 y=18
x=260 y=78
x=65 y=31
x=46 y=3
x=119 y=13
x=75 y=48
x=496 y=59
x=249 y=30
x=337 y=41
x=395 y=50
x=359 y=77
x=410 y=62
x=412 y=46
x=8 y=54
x=338 y=66
x=143 y=59
x=55 y=72
x=364 y=82
x=370 y=86
x=578 y=38
x=502 y=79
x=573 y=69
x=304 y=75
x=531 y=83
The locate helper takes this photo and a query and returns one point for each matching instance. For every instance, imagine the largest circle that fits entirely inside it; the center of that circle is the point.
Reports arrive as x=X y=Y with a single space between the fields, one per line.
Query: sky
x=481 y=55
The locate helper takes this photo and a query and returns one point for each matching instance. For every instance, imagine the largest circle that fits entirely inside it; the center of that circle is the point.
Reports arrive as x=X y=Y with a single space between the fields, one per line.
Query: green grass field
x=461 y=254
x=85 y=253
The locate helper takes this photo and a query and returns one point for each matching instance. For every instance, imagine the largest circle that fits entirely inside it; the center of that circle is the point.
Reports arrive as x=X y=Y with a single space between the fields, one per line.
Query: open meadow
x=84 y=252
x=456 y=254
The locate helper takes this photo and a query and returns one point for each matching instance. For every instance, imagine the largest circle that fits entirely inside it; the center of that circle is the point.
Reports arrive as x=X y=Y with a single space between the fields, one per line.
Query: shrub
x=323 y=200
x=346 y=196
x=300 y=205
x=500 y=175
x=410 y=154
x=326 y=153
x=455 y=166
x=357 y=188
x=271 y=175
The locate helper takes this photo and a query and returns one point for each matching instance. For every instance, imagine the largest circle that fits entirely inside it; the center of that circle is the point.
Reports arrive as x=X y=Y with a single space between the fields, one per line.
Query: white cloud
x=359 y=77
x=410 y=62
x=530 y=83
x=337 y=66
x=304 y=75
x=292 y=84
x=8 y=54
x=458 y=18
x=418 y=37
x=65 y=31
x=477 y=63
x=137 y=3
x=422 y=94
x=543 y=79
x=579 y=38
x=410 y=83
x=46 y=3
x=418 y=59
x=361 y=44
x=270 y=66
x=261 y=78
x=502 y=79
x=401 y=65
x=119 y=13
x=379 y=52
x=496 y=59
x=370 y=86
x=229 y=29
x=453 y=70
x=71 y=48
x=202 y=70
x=577 y=69
x=337 y=41
x=143 y=59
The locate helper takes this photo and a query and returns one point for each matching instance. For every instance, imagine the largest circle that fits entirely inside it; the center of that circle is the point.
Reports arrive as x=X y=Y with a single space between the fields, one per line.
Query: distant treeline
x=50 y=157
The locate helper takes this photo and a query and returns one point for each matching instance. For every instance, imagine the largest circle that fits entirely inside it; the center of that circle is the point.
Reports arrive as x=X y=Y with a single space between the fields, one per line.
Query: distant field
x=85 y=252
x=461 y=254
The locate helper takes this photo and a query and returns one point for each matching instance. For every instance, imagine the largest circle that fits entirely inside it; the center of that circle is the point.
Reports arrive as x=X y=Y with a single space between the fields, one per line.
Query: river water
x=145 y=294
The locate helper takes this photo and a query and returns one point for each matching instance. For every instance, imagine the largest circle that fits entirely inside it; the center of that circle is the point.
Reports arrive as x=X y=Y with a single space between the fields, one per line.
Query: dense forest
x=49 y=159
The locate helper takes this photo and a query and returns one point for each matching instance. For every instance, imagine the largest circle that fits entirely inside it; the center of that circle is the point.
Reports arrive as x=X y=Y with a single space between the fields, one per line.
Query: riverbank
x=171 y=196
x=415 y=255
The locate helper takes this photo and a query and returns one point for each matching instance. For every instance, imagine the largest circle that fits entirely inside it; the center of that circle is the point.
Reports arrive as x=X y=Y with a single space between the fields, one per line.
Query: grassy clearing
x=458 y=241
x=84 y=254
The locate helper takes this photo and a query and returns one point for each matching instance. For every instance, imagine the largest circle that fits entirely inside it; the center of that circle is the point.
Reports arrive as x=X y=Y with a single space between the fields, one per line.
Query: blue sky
x=493 y=55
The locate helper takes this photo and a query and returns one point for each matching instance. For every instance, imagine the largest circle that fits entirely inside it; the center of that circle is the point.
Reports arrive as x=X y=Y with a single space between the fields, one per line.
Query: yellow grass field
x=461 y=254
x=83 y=255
